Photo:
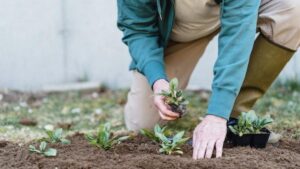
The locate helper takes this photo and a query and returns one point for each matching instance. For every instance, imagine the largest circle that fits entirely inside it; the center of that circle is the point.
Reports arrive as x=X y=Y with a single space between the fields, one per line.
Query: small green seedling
x=261 y=123
x=104 y=138
x=250 y=123
x=171 y=146
x=174 y=98
x=244 y=125
x=152 y=134
x=56 y=136
x=47 y=152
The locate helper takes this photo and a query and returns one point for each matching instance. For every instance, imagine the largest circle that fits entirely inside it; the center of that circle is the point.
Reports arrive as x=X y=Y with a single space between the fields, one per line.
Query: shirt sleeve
x=138 y=21
x=235 y=43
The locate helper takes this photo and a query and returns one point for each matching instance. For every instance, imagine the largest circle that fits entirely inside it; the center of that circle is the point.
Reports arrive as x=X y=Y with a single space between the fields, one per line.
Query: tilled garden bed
x=143 y=153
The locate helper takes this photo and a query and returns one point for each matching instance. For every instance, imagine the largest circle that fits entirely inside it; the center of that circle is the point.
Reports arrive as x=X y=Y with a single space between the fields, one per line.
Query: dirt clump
x=143 y=153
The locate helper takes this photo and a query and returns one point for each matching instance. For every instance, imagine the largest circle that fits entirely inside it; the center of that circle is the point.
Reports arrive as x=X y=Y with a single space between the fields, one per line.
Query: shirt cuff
x=221 y=103
x=154 y=71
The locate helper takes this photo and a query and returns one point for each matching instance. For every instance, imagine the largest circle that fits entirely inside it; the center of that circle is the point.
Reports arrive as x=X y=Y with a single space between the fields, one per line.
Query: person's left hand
x=208 y=135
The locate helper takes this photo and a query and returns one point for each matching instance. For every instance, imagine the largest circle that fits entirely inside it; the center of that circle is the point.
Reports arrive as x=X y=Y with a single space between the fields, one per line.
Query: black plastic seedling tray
x=253 y=140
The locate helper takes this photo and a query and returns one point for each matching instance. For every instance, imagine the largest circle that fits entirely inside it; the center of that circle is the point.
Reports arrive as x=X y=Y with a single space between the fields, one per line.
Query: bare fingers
x=164 y=112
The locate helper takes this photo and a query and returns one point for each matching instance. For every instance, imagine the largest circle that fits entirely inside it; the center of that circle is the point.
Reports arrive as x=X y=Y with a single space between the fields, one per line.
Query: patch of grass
x=84 y=111
x=282 y=103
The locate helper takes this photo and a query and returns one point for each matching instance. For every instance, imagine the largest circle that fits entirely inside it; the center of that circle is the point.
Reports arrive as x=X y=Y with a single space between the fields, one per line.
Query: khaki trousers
x=278 y=23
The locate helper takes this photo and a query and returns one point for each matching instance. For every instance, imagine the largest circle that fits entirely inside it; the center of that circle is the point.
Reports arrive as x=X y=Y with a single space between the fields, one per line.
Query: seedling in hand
x=47 y=152
x=104 y=138
x=174 y=98
x=152 y=134
x=56 y=136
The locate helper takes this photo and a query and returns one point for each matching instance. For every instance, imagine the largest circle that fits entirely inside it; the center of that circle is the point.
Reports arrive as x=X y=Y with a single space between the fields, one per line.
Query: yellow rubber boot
x=266 y=62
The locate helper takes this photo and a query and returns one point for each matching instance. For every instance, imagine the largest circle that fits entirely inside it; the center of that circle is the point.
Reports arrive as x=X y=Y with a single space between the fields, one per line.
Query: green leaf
x=162 y=137
x=157 y=129
x=174 y=84
x=57 y=134
x=179 y=94
x=148 y=134
x=89 y=137
x=251 y=116
x=50 y=134
x=51 y=152
x=178 y=136
x=232 y=129
x=104 y=133
x=43 y=146
x=267 y=120
x=65 y=141
x=182 y=141
x=93 y=142
x=33 y=149
x=103 y=139
x=123 y=138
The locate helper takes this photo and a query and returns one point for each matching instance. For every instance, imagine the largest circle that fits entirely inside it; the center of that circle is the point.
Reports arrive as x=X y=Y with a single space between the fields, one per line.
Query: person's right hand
x=159 y=101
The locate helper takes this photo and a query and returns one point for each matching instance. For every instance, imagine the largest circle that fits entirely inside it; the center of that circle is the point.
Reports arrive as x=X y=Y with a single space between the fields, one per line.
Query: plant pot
x=254 y=140
x=231 y=122
x=260 y=140
x=243 y=141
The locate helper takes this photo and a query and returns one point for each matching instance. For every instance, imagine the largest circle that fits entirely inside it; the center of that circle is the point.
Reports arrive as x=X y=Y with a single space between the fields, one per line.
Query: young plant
x=47 y=152
x=174 y=98
x=261 y=123
x=244 y=125
x=250 y=123
x=56 y=136
x=173 y=145
x=104 y=138
x=152 y=134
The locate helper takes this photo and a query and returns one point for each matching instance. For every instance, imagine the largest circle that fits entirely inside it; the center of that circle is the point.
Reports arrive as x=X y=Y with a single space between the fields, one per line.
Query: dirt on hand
x=142 y=153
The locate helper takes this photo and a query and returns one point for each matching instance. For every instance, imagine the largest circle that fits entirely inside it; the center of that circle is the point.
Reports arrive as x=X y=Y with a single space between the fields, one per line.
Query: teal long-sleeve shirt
x=147 y=24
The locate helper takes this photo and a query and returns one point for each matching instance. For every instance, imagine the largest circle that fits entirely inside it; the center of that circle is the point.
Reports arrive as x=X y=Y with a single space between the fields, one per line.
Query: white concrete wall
x=46 y=42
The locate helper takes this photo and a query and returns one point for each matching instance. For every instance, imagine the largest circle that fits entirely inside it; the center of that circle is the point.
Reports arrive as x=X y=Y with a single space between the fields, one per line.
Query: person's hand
x=208 y=135
x=163 y=109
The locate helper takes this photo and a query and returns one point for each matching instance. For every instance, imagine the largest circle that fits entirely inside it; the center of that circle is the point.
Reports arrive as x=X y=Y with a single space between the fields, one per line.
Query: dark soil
x=142 y=153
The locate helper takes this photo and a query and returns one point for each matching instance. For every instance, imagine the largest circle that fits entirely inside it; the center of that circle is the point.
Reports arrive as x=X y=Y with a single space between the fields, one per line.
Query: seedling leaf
x=151 y=134
x=168 y=145
x=65 y=141
x=104 y=137
x=174 y=97
x=51 y=152
x=56 y=136
x=43 y=146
